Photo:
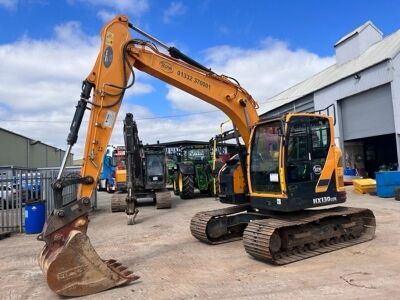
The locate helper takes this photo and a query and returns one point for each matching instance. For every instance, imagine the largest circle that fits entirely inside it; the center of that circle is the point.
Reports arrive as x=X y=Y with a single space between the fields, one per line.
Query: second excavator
x=291 y=164
x=145 y=173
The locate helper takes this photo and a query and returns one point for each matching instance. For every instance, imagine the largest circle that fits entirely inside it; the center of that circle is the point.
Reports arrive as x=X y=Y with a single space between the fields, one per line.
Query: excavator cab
x=295 y=164
x=155 y=169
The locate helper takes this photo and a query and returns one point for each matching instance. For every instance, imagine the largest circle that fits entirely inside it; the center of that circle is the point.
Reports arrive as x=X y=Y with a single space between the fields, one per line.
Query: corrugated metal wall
x=17 y=150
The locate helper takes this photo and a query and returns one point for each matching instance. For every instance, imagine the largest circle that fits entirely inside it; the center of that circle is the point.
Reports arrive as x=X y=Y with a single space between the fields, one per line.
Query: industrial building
x=18 y=150
x=364 y=87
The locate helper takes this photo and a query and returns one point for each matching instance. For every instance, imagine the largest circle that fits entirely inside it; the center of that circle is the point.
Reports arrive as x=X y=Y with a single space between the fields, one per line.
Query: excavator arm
x=69 y=262
x=218 y=90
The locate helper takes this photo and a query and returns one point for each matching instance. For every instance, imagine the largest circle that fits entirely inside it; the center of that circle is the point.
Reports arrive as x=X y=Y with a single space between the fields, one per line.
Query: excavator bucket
x=74 y=268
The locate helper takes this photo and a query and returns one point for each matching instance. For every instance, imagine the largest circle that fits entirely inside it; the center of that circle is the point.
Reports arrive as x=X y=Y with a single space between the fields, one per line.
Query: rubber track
x=198 y=224
x=118 y=202
x=163 y=200
x=257 y=235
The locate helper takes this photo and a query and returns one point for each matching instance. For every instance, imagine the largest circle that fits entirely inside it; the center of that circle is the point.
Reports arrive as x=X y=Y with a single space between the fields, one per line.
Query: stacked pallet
x=364 y=186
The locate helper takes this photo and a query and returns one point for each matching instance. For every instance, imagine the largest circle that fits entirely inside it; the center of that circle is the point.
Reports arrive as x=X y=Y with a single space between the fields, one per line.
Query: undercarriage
x=161 y=199
x=282 y=238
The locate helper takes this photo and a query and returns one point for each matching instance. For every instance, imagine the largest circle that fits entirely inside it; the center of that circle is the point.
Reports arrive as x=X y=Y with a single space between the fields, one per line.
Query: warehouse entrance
x=371 y=154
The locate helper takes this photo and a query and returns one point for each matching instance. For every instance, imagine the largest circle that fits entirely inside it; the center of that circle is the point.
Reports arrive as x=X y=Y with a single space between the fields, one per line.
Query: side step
x=288 y=238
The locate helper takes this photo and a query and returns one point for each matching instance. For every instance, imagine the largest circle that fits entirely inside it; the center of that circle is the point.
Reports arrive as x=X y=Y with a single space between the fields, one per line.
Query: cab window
x=264 y=160
x=298 y=155
x=320 y=138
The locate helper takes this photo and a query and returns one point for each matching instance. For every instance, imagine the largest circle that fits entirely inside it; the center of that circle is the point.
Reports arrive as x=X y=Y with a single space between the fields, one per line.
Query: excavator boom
x=68 y=260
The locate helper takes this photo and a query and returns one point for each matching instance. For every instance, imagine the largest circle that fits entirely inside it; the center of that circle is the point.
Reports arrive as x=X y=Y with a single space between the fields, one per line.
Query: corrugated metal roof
x=383 y=50
x=33 y=141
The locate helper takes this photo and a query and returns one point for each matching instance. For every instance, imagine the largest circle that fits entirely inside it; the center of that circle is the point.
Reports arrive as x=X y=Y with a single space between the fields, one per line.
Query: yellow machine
x=120 y=179
x=292 y=164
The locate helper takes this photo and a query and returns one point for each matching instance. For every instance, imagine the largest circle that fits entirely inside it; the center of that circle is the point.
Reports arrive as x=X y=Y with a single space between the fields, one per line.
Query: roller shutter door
x=368 y=114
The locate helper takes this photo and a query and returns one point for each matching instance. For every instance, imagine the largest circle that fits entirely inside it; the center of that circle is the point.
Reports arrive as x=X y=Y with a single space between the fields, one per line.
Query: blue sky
x=313 y=25
x=49 y=46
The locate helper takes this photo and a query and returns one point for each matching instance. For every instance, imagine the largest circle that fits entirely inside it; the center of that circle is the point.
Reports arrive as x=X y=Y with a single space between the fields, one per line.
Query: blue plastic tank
x=35 y=216
x=386 y=183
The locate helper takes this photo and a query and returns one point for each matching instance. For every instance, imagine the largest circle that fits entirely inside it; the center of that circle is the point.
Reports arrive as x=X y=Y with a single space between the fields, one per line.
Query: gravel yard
x=174 y=265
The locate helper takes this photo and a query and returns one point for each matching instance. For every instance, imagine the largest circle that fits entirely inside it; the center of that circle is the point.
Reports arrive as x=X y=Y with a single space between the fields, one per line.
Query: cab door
x=307 y=145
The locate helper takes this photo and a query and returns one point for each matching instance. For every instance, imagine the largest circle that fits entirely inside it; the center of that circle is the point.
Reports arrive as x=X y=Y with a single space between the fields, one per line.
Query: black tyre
x=186 y=186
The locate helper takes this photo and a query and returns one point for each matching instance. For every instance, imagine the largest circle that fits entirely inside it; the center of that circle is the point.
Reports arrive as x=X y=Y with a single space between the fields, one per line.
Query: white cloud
x=195 y=127
x=9 y=4
x=267 y=70
x=186 y=102
x=42 y=83
x=263 y=72
x=106 y=15
x=173 y=10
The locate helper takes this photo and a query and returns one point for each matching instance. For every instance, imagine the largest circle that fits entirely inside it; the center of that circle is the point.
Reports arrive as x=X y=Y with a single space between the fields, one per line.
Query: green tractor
x=171 y=167
x=193 y=171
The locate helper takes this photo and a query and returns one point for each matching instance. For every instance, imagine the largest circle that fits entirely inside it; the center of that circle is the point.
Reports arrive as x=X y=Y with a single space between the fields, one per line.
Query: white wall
x=396 y=100
x=357 y=44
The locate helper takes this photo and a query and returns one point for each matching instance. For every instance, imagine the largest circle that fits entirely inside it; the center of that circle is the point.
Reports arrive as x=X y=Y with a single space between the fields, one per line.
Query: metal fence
x=20 y=185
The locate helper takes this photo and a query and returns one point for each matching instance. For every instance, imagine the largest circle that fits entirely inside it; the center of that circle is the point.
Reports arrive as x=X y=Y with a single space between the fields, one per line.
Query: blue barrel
x=386 y=183
x=35 y=215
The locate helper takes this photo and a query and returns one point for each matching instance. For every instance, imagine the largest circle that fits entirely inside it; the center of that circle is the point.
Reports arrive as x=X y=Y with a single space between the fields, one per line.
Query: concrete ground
x=174 y=265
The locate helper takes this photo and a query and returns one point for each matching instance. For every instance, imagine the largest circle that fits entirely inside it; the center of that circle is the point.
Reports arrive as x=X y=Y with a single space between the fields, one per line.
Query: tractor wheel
x=186 y=186
x=175 y=183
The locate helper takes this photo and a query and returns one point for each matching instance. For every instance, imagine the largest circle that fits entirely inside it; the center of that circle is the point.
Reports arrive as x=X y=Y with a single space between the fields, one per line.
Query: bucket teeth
x=115 y=265
x=75 y=269
x=122 y=268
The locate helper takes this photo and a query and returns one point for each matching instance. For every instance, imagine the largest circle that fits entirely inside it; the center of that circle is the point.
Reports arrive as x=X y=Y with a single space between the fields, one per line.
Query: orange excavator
x=291 y=164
